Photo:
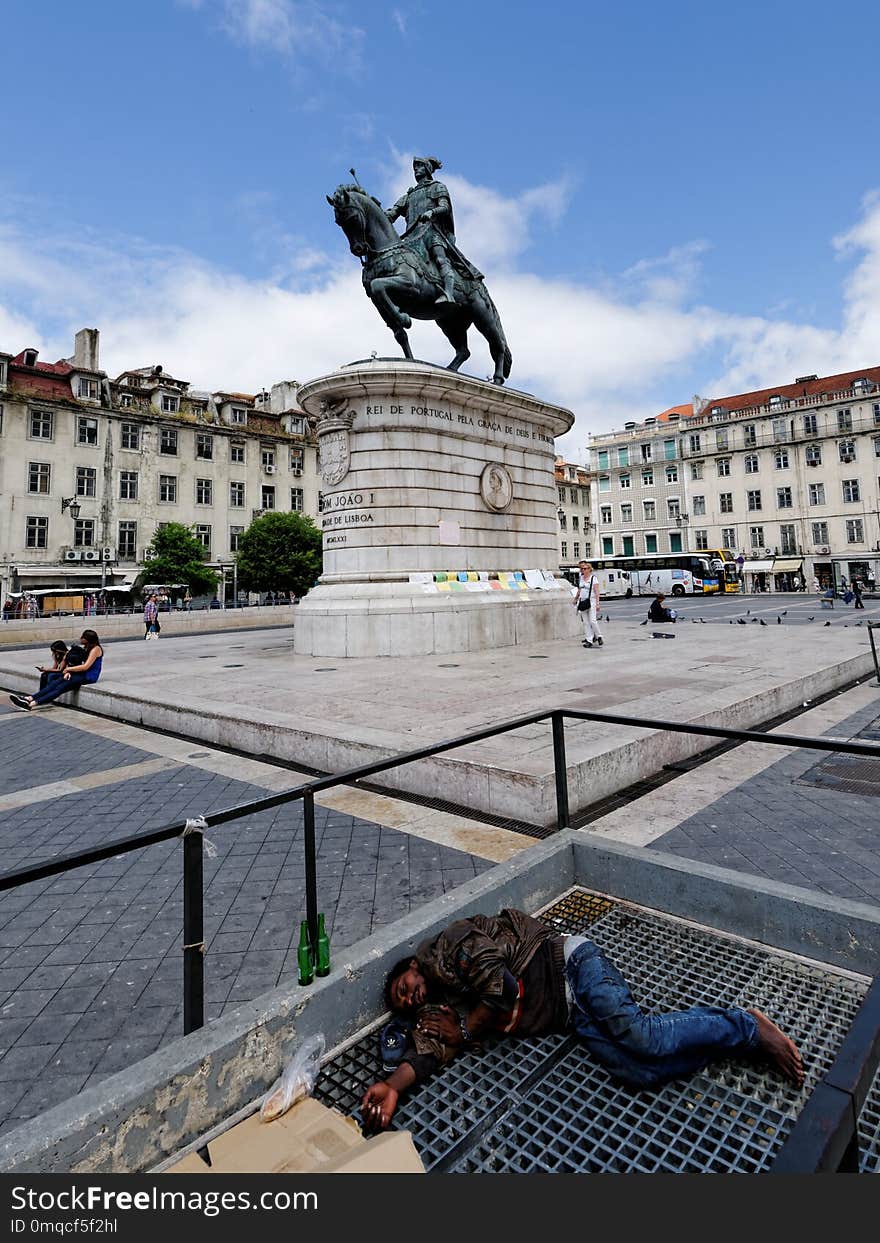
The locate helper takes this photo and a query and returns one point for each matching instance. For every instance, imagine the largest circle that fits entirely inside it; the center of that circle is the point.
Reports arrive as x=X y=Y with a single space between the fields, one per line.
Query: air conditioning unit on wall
x=823 y=551
x=72 y=554
x=91 y=554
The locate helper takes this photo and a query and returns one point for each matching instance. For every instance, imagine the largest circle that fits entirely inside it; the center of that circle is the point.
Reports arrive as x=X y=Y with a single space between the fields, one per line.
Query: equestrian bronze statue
x=421 y=274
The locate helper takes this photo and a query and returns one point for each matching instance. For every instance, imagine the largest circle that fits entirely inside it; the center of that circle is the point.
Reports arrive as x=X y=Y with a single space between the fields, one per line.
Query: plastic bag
x=297 y=1081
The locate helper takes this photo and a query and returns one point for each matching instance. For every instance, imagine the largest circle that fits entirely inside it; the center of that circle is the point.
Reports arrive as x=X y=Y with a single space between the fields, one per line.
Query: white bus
x=675 y=574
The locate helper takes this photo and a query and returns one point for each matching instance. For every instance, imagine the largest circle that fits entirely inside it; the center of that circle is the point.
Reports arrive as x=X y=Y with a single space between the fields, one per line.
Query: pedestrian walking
x=587 y=604
x=152 y=629
x=857 y=593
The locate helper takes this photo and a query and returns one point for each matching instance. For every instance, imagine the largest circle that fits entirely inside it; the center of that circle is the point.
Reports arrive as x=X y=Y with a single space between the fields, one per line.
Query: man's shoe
x=586 y=644
x=21 y=702
x=600 y=642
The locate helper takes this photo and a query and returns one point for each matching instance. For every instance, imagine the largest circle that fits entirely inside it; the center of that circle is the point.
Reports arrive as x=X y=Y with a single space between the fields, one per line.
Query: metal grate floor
x=544 y=1106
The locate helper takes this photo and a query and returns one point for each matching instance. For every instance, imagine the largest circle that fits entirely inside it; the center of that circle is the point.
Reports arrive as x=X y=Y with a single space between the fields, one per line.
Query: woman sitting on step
x=73 y=676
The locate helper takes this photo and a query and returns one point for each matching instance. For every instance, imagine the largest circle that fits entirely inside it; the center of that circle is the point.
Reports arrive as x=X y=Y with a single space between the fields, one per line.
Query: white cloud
x=291 y=28
x=604 y=351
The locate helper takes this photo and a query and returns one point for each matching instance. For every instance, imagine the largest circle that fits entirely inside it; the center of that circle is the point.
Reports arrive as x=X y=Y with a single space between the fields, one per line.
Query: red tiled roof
x=683 y=412
x=62 y=367
x=806 y=388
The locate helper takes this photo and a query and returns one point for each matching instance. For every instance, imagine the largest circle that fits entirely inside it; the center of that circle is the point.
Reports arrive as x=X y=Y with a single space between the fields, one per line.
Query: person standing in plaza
x=587 y=604
x=151 y=618
x=857 y=593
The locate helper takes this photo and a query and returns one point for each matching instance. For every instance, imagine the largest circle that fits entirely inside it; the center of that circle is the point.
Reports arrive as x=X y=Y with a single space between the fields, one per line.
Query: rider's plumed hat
x=431 y=160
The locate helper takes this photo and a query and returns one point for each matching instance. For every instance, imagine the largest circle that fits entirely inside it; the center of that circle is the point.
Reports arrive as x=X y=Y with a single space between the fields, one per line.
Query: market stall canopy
x=757 y=567
x=787 y=565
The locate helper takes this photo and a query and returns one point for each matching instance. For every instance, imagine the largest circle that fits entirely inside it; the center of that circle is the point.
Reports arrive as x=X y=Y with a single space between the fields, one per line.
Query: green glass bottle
x=322 y=949
x=304 y=958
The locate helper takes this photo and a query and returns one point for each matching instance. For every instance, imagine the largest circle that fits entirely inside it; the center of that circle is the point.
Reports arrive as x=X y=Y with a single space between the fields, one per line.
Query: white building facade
x=125 y=456
x=574 y=512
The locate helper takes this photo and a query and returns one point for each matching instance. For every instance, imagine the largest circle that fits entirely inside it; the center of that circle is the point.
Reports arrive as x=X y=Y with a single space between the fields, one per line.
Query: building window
x=296 y=500
x=128 y=485
x=781 y=459
x=604 y=483
x=86 y=481
x=855 y=531
x=168 y=489
x=238 y=414
x=851 y=490
x=820 y=532
x=170 y=405
x=87 y=388
x=576 y=549
x=236 y=451
x=754 y=499
x=561 y=496
x=723 y=465
x=846 y=450
x=672 y=474
x=877 y=413
x=607 y=546
x=204 y=446
x=877 y=446
x=650 y=510
x=701 y=540
x=37 y=533
x=669 y=449
x=204 y=492
x=564 y=547
x=131 y=436
x=698 y=505
x=650 y=543
x=125 y=401
x=756 y=535
x=585 y=498
x=751 y=463
x=844 y=420
x=811 y=425
x=268 y=496
x=696 y=470
x=41 y=424
x=236 y=495
x=673 y=508
x=605 y=514
x=623 y=455
x=168 y=441
x=268 y=457
x=602 y=459
x=646 y=452
x=626 y=480
x=84 y=533
x=813 y=455
x=87 y=431
x=695 y=442
x=126 y=541
x=648 y=478
x=780 y=429
x=750 y=435
x=783 y=498
x=235 y=534
x=39 y=477
x=296 y=461
x=728 y=537
x=722 y=440
x=575 y=522
x=817 y=493
x=573 y=493
x=726 y=502
x=774 y=401
x=626 y=514
x=203 y=535
x=786 y=538
x=563 y=521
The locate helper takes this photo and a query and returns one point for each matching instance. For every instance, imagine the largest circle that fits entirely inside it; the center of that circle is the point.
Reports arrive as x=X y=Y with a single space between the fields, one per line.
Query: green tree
x=279 y=552
x=179 y=558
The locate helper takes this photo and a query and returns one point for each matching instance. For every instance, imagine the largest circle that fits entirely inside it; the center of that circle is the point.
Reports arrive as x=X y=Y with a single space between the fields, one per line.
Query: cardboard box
x=308 y=1138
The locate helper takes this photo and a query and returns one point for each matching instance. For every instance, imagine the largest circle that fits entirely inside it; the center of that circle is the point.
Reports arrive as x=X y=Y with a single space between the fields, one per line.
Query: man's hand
x=427 y=215
x=443 y=1023
x=379 y=1104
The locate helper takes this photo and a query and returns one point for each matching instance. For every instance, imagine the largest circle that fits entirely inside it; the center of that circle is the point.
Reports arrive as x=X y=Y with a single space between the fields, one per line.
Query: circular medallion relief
x=496 y=487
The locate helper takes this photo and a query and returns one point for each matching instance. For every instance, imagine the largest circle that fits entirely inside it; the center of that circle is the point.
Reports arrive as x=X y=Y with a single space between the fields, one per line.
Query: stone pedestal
x=438 y=514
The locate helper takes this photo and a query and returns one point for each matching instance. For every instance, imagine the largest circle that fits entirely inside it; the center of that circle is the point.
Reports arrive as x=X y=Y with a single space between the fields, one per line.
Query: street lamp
x=73 y=505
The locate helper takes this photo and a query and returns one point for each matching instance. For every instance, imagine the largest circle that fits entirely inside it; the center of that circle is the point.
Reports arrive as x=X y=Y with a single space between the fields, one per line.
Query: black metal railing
x=825 y=1137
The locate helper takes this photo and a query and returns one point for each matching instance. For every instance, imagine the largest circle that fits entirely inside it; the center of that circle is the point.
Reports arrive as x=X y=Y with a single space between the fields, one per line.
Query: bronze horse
x=402 y=283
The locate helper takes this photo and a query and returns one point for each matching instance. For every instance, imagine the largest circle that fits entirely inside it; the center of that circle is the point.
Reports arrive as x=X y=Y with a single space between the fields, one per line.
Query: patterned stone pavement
x=90 y=962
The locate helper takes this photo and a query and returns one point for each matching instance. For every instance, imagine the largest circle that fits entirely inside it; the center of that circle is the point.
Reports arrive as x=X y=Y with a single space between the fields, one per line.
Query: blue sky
x=665 y=199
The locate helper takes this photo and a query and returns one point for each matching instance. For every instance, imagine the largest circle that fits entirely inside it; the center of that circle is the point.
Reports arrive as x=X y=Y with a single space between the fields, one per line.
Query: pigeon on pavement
x=740 y=621
x=778 y=621
x=828 y=623
x=763 y=623
x=644 y=623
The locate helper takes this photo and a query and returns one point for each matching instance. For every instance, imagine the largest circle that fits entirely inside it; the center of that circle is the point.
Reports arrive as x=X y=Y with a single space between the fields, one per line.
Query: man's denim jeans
x=646 y=1050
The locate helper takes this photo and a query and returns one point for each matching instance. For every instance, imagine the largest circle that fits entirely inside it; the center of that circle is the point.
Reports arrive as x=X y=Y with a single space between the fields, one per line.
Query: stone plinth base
x=401 y=619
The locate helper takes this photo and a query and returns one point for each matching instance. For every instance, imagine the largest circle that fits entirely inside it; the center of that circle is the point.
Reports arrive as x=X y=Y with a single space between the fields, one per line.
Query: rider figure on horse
x=427 y=204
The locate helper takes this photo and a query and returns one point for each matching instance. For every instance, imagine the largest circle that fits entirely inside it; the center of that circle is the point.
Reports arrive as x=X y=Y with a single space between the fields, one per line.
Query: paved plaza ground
x=90 y=962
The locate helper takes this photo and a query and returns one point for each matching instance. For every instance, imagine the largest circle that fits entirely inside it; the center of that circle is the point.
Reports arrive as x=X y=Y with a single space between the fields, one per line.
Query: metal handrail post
x=310 y=866
x=560 y=770
x=872 y=626
x=193 y=935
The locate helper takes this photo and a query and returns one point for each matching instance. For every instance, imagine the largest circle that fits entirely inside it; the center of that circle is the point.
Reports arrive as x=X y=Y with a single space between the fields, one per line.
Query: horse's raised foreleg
x=380 y=290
